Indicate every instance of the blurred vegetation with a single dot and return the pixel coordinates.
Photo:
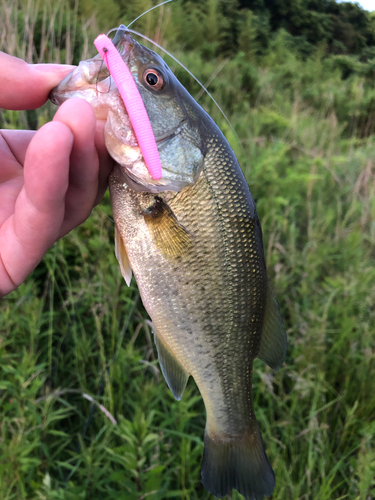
(302, 102)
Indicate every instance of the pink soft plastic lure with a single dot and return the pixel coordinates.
(133, 103)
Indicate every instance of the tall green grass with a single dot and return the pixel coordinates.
(74, 331)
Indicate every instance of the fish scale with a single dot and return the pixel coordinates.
(193, 241)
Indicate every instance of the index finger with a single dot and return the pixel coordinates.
(27, 86)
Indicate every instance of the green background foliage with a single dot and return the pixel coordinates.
(301, 98)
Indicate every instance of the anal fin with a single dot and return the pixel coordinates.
(122, 257)
(174, 373)
(273, 343)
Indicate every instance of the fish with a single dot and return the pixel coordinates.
(193, 241)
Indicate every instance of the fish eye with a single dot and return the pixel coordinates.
(153, 78)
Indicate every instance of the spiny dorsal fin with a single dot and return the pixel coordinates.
(122, 257)
(171, 238)
(174, 373)
(273, 344)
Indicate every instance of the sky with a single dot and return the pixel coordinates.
(366, 4)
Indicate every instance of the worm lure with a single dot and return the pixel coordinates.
(133, 103)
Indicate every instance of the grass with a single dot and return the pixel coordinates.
(74, 330)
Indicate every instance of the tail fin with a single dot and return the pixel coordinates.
(241, 464)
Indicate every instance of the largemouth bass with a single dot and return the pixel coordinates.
(194, 243)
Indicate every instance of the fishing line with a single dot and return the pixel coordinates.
(149, 10)
(99, 79)
(108, 217)
(211, 79)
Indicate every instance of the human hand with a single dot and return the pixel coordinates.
(50, 179)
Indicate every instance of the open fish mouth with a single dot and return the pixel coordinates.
(89, 77)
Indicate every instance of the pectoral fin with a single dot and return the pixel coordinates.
(171, 237)
(273, 344)
(174, 373)
(122, 257)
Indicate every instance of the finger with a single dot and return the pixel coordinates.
(16, 143)
(79, 116)
(40, 207)
(27, 86)
(13, 144)
(46, 182)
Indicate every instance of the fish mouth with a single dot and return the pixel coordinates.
(92, 75)
(78, 84)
